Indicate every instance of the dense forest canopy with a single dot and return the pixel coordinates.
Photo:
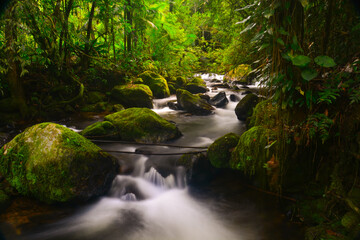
(304, 53)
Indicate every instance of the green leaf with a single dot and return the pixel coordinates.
(325, 61)
(309, 74)
(301, 61)
(248, 28)
(265, 45)
(280, 41)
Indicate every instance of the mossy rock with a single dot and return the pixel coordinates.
(193, 103)
(97, 107)
(219, 153)
(104, 129)
(181, 81)
(133, 95)
(54, 164)
(264, 113)
(194, 88)
(135, 124)
(157, 84)
(198, 81)
(95, 97)
(244, 108)
(251, 154)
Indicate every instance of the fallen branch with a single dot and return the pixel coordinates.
(156, 154)
(148, 144)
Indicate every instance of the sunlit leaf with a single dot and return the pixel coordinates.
(248, 28)
(325, 61)
(304, 3)
(244, 21)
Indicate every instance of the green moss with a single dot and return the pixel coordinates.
(105, 129)
(251, 154)
(157, 84)
(193, 103)
(198, 81)
(142, 125)
(54, 164)
(219, 153)
(263, 114)
(133, 95)
(181, 81)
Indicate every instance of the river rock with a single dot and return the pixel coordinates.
(197, 167)
(173, 105)
(194, 89)
(193, 103)
(219, 153)
(245, 107)
(133, 95)
(54, 164)
(134, 124)
(157, 84)
(234, 98)
(246, 92)
(219, 100)
(204, 96)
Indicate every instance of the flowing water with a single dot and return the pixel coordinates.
(154, 202)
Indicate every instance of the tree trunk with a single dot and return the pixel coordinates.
(327, 32)
(85, 58)
(13, 76)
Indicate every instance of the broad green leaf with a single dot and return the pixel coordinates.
(268, 13)
(309, 74)
(283, 32)
(325, 61)
(301, 61)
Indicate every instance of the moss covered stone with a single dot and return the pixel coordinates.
(244, 108)
(136, 124)
(197, 81)
(157, 84)
(193, 103)
(54, 164)
(133, 95)
(263, 114)
(252, 153)
(104, 128)
(219, 153)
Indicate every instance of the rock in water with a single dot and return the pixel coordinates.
(133, 95)
(193, 103)
(134, 124)
(219, 100)
(245, 107)
(157, 84)
(54, 164)
(219, 153)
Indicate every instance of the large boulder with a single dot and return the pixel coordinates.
(157, 84)
(219, 100)
(54, 164)
(219, 153)
(193, 103)
(133, 95)
(134, 124)
(244, 108)
(95, 97)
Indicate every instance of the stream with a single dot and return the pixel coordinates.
(154, 201)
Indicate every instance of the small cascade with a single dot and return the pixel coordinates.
(154, 177)
(139, 167)
(129, 197)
